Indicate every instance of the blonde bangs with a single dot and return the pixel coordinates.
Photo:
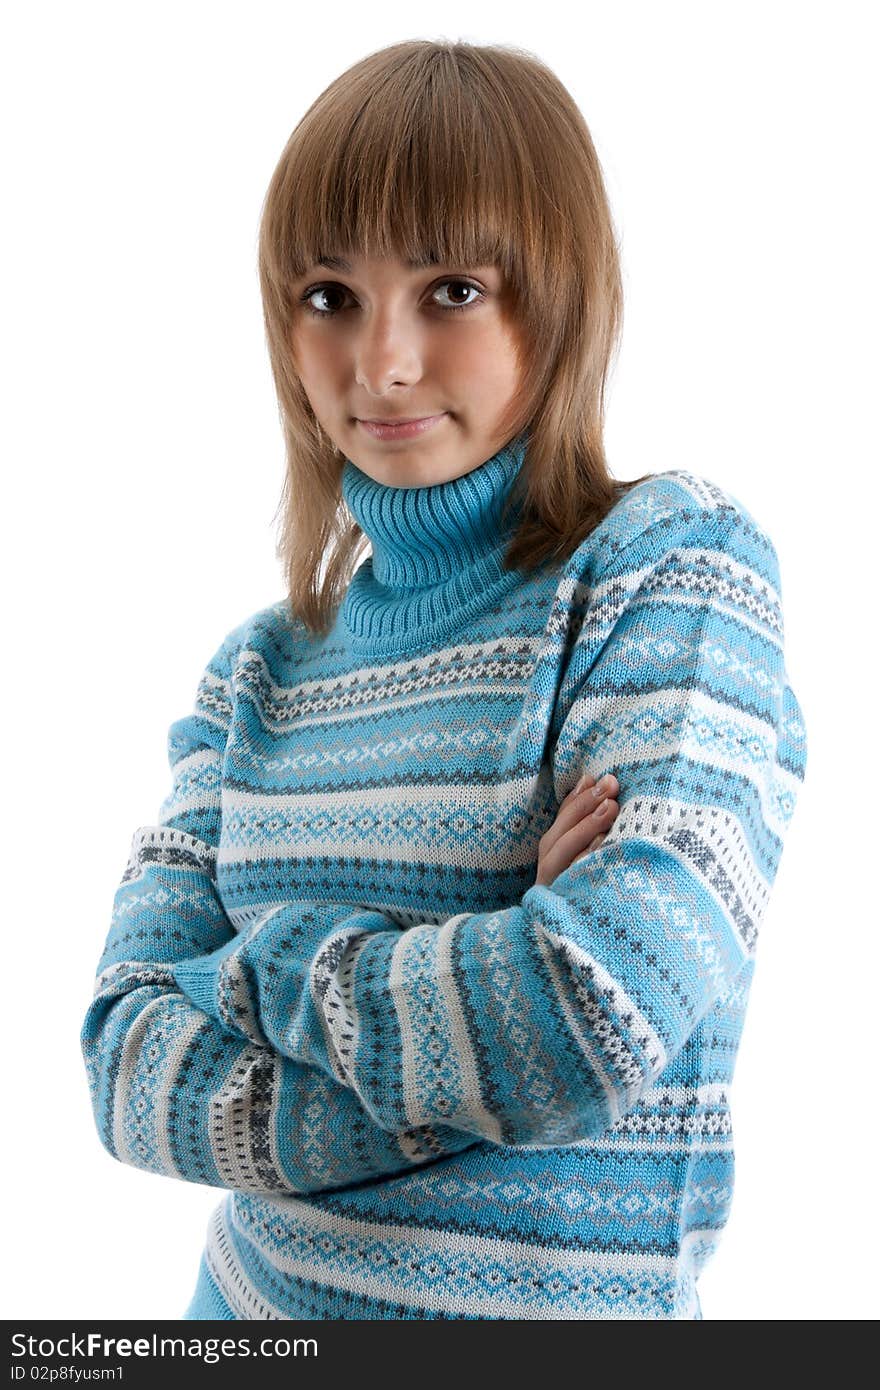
(463, 155)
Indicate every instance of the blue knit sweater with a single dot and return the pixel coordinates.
(331, 986)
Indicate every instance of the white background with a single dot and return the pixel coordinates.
(142, 470)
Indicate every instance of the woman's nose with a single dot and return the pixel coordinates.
(388, 351)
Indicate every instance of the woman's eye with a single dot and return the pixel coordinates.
(459, 285)
(331, 290)
(324, 290)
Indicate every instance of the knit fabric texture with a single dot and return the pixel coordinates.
(432, 1088)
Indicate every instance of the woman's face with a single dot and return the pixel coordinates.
(379, 340)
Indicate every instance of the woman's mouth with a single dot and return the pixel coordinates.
(400, 429)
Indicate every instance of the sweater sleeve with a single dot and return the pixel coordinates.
(545, 1022)
(174, 1090)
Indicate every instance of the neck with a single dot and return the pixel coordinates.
(438, 553)
(424, 536)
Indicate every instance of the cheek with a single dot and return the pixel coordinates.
(488, 361)
(313, 365)
(295, 355)
(496, 369)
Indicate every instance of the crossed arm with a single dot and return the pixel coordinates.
(323, 1046)
(189, 1087)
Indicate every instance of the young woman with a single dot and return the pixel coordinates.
(458, 1043)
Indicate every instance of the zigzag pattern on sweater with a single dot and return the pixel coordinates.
(330, 984)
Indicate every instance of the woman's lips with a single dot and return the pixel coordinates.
(405, 430)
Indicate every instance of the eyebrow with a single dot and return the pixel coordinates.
(338, 263)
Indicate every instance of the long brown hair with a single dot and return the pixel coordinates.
(466, 154)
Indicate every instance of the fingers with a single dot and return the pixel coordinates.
(582, 801)
(595, 844)
(587, 812)
(558, 855)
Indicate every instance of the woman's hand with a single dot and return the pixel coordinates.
(584, 817)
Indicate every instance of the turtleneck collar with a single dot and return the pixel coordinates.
(426, 535)
(436, 550)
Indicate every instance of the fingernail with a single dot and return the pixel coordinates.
(583, 782)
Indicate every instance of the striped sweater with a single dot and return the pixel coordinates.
(432, 1088)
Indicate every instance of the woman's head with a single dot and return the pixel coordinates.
(376, 341)
(440, 156)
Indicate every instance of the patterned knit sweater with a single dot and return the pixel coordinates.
(331, 985)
